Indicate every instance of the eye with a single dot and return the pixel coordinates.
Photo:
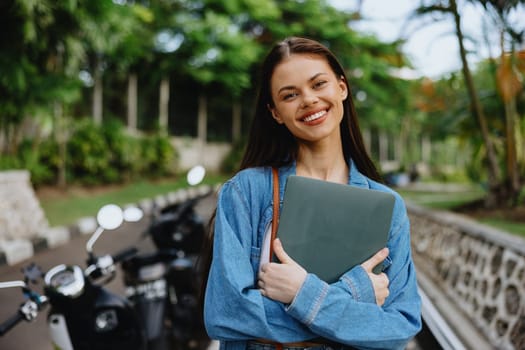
(289, 96)
(319, 84)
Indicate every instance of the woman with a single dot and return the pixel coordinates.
(305, 124)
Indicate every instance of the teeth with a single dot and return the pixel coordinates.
(314, 116)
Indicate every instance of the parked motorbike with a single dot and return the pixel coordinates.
(83, 314)
(163, 284)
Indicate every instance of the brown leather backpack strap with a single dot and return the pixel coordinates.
(275, 215)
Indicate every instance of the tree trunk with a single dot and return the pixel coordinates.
(367, 139)
(511, 159)
(202, 119)
(97, 94)
(132, 102)
(383, 146)
(402, 143)
(61, 138)
(426, 149)
(236, 121)
(494, 175)
(164, 101)
(509, 87)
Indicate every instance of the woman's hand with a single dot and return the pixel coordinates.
(379, 281)
(281, 281)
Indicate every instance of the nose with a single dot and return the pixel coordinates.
(309, 98)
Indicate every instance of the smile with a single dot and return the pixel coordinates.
(314, 116)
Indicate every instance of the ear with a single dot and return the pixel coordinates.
(275, 114)
(344, 88)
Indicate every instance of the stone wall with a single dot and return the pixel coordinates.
(193, 152)
(480, 269)
(22, 219)
(21, 216)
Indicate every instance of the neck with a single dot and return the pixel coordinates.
(324, 163)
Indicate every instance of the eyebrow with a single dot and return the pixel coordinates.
(291, 87)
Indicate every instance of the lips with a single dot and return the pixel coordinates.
(312, 117)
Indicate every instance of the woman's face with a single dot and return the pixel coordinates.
(308, 97)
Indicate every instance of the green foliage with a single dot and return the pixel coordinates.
(157, 156)
(125, 150)
(204, 47)
(41, 159)
(95, 155)
(89, 157)
(10, 162)
(107, 154)
(217, 50)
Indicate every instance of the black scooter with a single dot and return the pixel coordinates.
(84, 315)
(163, 285)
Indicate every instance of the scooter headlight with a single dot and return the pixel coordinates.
(106, 321)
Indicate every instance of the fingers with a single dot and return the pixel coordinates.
(375, 260)
(280, 253)
(381, 290)
(281, 281)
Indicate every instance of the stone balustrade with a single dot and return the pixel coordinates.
(481, 270)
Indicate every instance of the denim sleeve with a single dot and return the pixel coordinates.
(357, 320)
(234, 308)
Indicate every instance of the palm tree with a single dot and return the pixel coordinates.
(503, 187)
(509, 85)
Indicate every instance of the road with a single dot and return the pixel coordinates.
(34, 335)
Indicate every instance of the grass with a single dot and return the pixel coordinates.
(67, 207)
(441, 200)
(448, 200)
(508, 226)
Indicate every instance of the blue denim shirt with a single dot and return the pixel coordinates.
(345, 311)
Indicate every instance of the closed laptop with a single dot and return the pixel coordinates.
(328, 227)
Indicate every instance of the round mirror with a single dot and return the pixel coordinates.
(196, 175)
(110, 216)
(132, 214)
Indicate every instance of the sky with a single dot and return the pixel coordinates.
(432, 49)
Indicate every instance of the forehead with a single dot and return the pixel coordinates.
(299, 67)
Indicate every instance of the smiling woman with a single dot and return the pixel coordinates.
(304, 124)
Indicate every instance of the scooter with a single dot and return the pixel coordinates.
(83, 314)
(163, 284)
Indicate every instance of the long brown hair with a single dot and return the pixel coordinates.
(272, 144)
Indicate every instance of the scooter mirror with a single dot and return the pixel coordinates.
(195, 175)
(110, 216)
(132, 214)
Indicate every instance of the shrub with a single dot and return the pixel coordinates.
(125, 150)
(41, 159)
(95, 155)
(8, 162)
(158, 155)
(89, 157)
